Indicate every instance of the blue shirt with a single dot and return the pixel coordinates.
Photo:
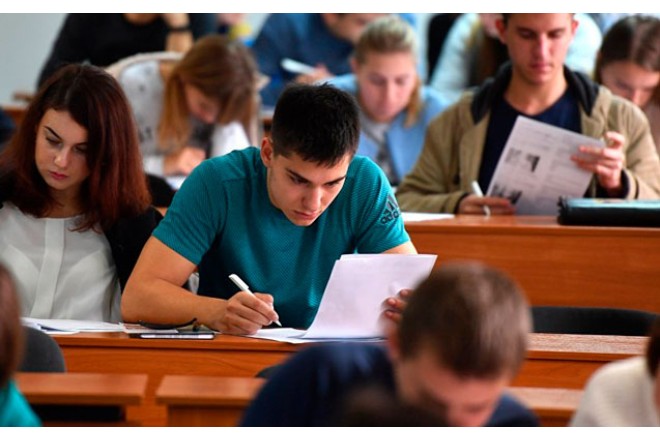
(404, 143)
(312, 386)
(564, 113)
(304, 38)
(15, 410)
(222, 220)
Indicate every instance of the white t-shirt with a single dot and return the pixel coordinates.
(59, 273)
(619, 394)
(140, 78)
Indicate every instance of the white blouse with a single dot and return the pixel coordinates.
(59, 273)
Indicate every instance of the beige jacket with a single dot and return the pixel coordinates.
(453, 147)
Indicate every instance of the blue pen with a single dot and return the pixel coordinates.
(243, 287)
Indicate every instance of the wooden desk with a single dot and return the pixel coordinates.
(221, 401)
(117, 353)
(567, 361)
(554, 407)
(554, 264)
(206, 401)
(564, 361)
(83, 389)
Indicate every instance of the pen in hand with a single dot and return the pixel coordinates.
(243, 287)
(477, 191)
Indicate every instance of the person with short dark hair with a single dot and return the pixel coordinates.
(624, 392)
(278, 217)
(461, 340)
(14, 409)
(465, 143)
(74, 205)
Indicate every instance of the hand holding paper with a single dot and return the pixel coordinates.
(605, 162)
(360, 288)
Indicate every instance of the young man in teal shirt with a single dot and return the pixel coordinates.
(278, 217)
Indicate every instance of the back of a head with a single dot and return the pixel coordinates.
(11, 335)
(634, 38)
(474, 318)
(389, 34)
(319, 123)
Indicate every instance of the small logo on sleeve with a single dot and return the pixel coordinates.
(391, 212)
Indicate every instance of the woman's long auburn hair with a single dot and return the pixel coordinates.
(221, 69)
(117, 186)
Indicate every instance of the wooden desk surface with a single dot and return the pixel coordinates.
(221, 401)
(554, 264)
(554, 407)
(82, 388)
(206, 401)
(564, 361)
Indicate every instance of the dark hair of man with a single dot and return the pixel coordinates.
(473, 318)
(11, 330)
(653, 349)
(319, 123)
(116, 186)
(635, 39)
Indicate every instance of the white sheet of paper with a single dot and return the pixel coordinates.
(535, 168)
(56, 326)
(409, 216)
(175, 181)
(297, 336)
(352, 302)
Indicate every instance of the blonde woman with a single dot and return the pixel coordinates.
(394, 106)
(193, 107)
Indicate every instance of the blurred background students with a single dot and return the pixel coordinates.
(473, 52)
(628, 64)
(323, 41)
(14, 409)
(465, 142)
(75, 207)
(103, 39)
(395, 107)
(189, 108)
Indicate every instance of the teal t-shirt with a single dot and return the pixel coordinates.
(15, 410)
(223, 221)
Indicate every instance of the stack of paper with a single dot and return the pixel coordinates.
(352, 303)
